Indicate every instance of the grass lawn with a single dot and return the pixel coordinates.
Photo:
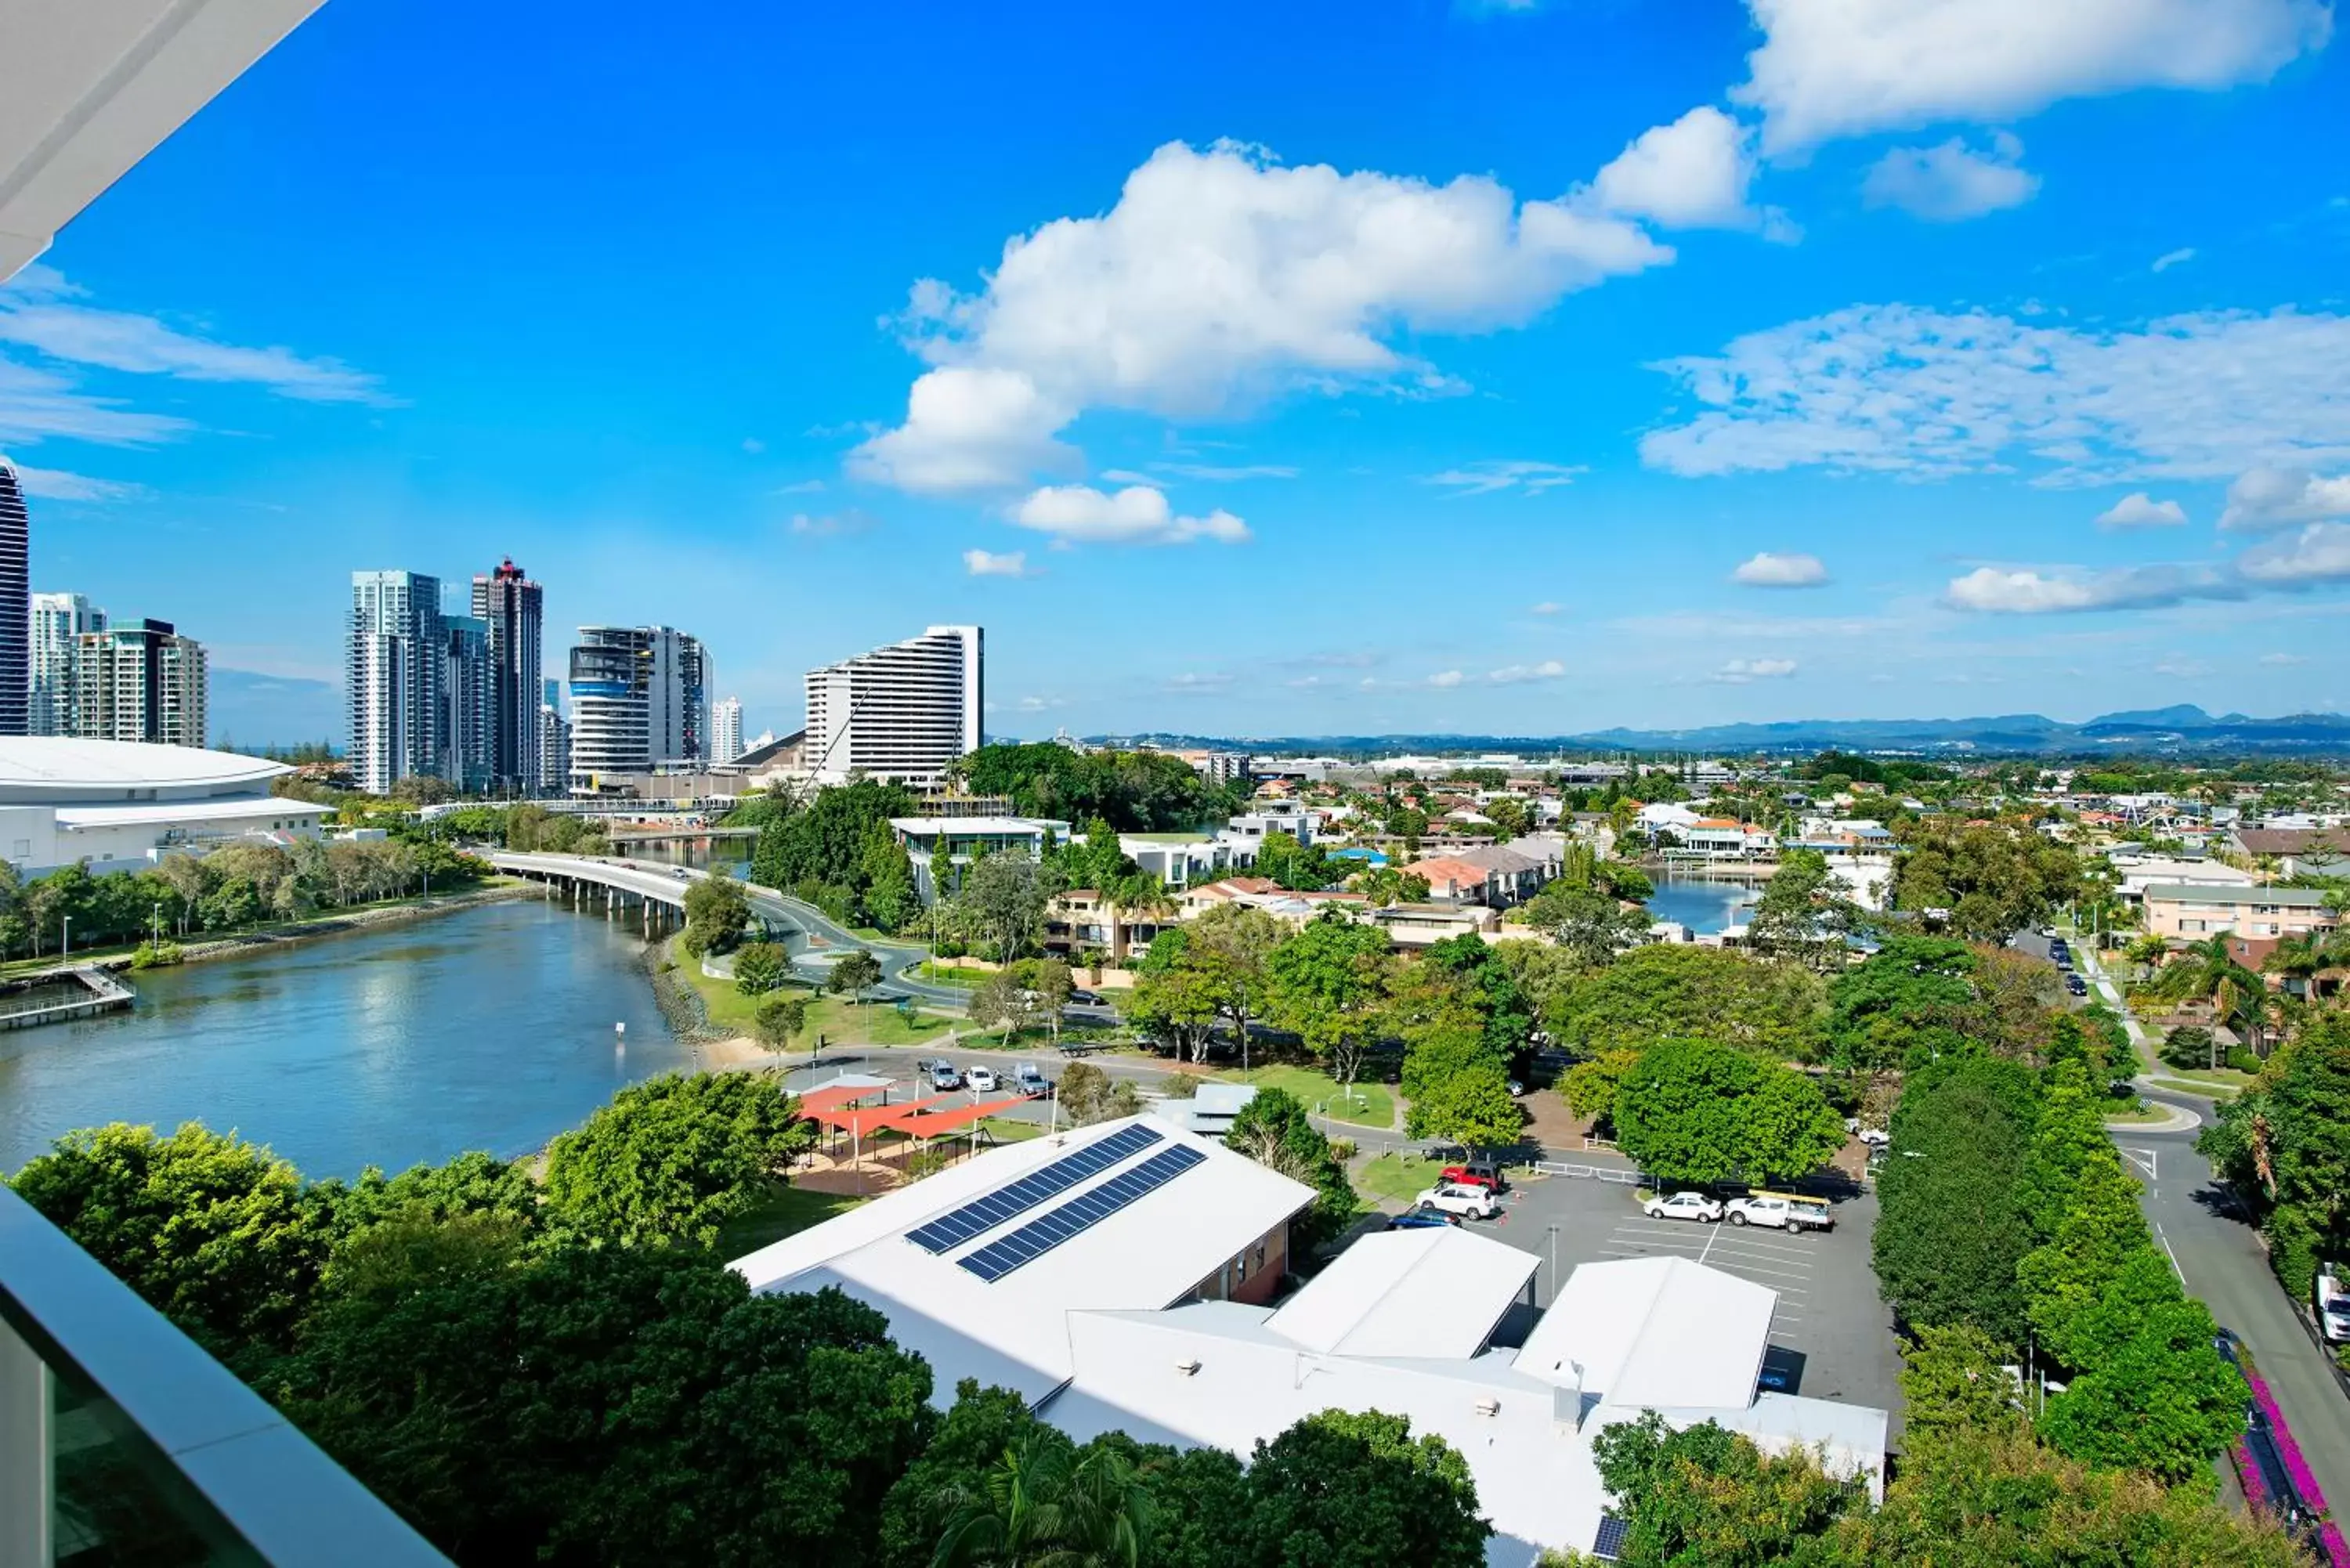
(2220, 1092)
(1004, 1130)
(838, 1020)
(2207, 1077)
(1371, 1105)
(2135, 1111)
(946, 974)
(1399, 1177)
(783, 1211)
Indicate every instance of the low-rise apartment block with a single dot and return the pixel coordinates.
(2193, 913)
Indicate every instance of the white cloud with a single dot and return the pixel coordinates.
(987, 564)
(1997, 591)
(1898, 389)
(2182, 667)
(1951, 182)
(39, 311)
(54, 484)
(2320, 553)
(38, 404)
(1446, 677)
(2142, 511)
(1483, 478)
(1517, 674)
(1078, 513)
(754, 445)
(1040, 704)
(1829, 68)
(1691, 174)
(1546, 608)
(1193, 681)
(2284, 658)
(2170, 259)
(805, 487)
(1739, 671)
(1220, 279)
(1767, 569)
(2266, 498)
(831, 523)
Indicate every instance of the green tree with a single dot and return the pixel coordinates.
(1342, 1490)
(1232, 944)
(1001, 903)
(1050, 985)
(2285, 1143)
(1049, 1504)
(969, 1442)
(717, 913)
(2210, 972)
(853, 973)
(2100, 1229)
(1694, 1111)
(214, 1232)
(1177, 994)
(1591, 925)
(1275, 1130)
(1001, 1001)
(1912, 996)
(2166, 1402)
(1304, 867)
(1995, 878)
(1955, 1378)
(779, 1018)
(1490, 986)
(1328, 985)
(609, 1405)
(761, 967)
(1671, 989)
(1088, 1095)
(1803, 914)
(1950, 1230)
(1703, 1495)
(673, 1158)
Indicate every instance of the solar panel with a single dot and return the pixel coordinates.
(955, 1227)
(1081, 1213)
(1609, 1544)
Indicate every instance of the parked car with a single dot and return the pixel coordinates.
(1483, 1173)
(2334, 1305)
(2077, 985)
(1031, 1082)
(1420, 1217)
(1453, 1198)
(1781, 1212)
(1875, 1137)
(944, 1076)
(1682, 1206)
(1084, 998)
(981, 1080)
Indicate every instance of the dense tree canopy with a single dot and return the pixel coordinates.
(1691, 1110)
(1676, 988)
(1275, 1130)
(837, 852)
(1346, 1490)
(1995, 878)
(1327, 985)
(2284, 1144)
(673, 1158)
(1950, 1228)
(1134, 791)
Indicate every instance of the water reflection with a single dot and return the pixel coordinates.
(490, 1028)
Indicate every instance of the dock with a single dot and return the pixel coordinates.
(61, 995)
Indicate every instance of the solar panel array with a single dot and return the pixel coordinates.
(955, 1227)
(1609, 1546)
(1080, 1214)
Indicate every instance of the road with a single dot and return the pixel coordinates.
(2219, 1258)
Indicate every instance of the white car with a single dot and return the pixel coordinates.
(1875, 1137)
(981, 1080)
(1457, 1197)
(1781, 1214)
(1682, 1206)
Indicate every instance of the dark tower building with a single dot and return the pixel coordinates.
(509, 602)
(16, 606)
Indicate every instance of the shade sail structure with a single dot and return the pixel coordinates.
(929, 1123)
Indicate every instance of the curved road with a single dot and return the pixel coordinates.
(666, 885)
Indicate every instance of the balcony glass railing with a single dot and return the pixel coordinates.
(124, 1445)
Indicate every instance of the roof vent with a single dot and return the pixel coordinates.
(1489, 1406)
(1189, 1366)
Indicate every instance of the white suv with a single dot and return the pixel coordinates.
(1682, 1206)
(1456, 1198)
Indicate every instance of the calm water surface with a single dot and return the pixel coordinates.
(486, 1028)
(1703, 904)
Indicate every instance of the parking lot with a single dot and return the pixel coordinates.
(1831, 1336)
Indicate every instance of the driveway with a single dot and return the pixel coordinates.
(2220, 1259)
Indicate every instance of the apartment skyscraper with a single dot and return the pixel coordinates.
(467, 723)
(726, 729)
(901, 712)
(16, 612)
(554, 739)
(513, 606)
(639, 699)
(397, 668)
(59, 621)
(139, 682)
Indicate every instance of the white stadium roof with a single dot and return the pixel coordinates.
(49, 768)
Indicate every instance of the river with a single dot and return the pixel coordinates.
(1705, 905)
(484, 1028)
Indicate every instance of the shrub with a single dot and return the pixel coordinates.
(1342, 1150)
(2188, 1045)
(2243, 1060)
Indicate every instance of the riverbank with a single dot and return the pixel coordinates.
(261, 939)
(707, 1013)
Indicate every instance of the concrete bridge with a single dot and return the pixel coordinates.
(655, 897)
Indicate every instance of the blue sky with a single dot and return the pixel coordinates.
(1301, 370)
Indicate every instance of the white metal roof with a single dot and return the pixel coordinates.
(1661, 1333)
(1014, 1330)
(44, 769)
(88, 89)
(1433, 1291)
(233, 808)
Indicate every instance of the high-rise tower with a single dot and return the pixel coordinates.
(398, 667)
(639, 699)
(15, 609)
(512, 604)
(901, 712)
(59, 621)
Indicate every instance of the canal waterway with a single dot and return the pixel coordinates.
(1705, 905)
(489, 1027)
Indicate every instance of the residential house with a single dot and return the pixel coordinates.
(940, 847)
(2297, 851)
(2193, 913)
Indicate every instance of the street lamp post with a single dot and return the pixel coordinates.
(156, 940)
(65, 936)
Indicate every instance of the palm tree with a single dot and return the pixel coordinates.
(2210, 970)
(1047, 1506)
(2307, 957)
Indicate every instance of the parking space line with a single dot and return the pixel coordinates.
(1746, 1238)
(1765, 1268)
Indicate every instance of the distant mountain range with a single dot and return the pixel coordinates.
(2180, 729)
